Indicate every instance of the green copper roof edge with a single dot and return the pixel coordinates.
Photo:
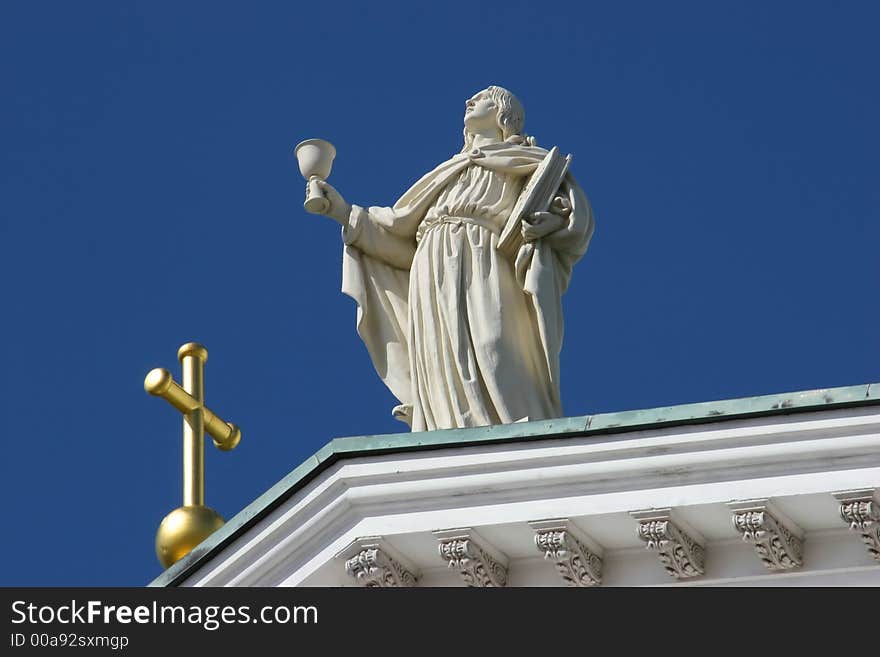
(236, 525)
(601, 423)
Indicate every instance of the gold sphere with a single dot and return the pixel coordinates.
(182, 530)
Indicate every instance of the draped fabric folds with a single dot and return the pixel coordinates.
(461, 335)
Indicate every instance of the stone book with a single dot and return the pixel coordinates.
(536, 196)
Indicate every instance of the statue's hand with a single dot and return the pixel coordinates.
(561, 206)
(339, 208)
(541, 224)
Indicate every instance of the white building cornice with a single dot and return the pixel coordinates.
(593, 473)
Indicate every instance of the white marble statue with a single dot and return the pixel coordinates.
(463, 334)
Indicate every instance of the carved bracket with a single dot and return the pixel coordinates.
(860, 509)
(479, 564)
(577, 558)
(679, 548)
(376, 564)
(777, 540)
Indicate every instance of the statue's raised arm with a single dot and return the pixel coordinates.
(464, 332)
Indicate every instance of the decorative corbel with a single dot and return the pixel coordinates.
(777, 540)
(578, 559)
(477, 561)
(679, 547)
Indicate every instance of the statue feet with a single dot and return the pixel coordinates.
(403, 412)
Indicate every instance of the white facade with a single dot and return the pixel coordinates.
(781, 490)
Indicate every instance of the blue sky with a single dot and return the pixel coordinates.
(149, 197)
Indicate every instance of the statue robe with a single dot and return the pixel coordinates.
(461, 335)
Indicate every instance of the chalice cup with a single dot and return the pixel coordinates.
(315, 157)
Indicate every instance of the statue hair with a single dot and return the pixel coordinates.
(511, 118)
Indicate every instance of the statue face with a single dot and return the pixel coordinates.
(481, 112)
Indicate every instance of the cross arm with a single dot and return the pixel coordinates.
(160, 383)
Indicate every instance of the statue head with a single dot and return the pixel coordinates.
(509, 115)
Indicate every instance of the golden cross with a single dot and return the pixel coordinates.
(187, 526)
